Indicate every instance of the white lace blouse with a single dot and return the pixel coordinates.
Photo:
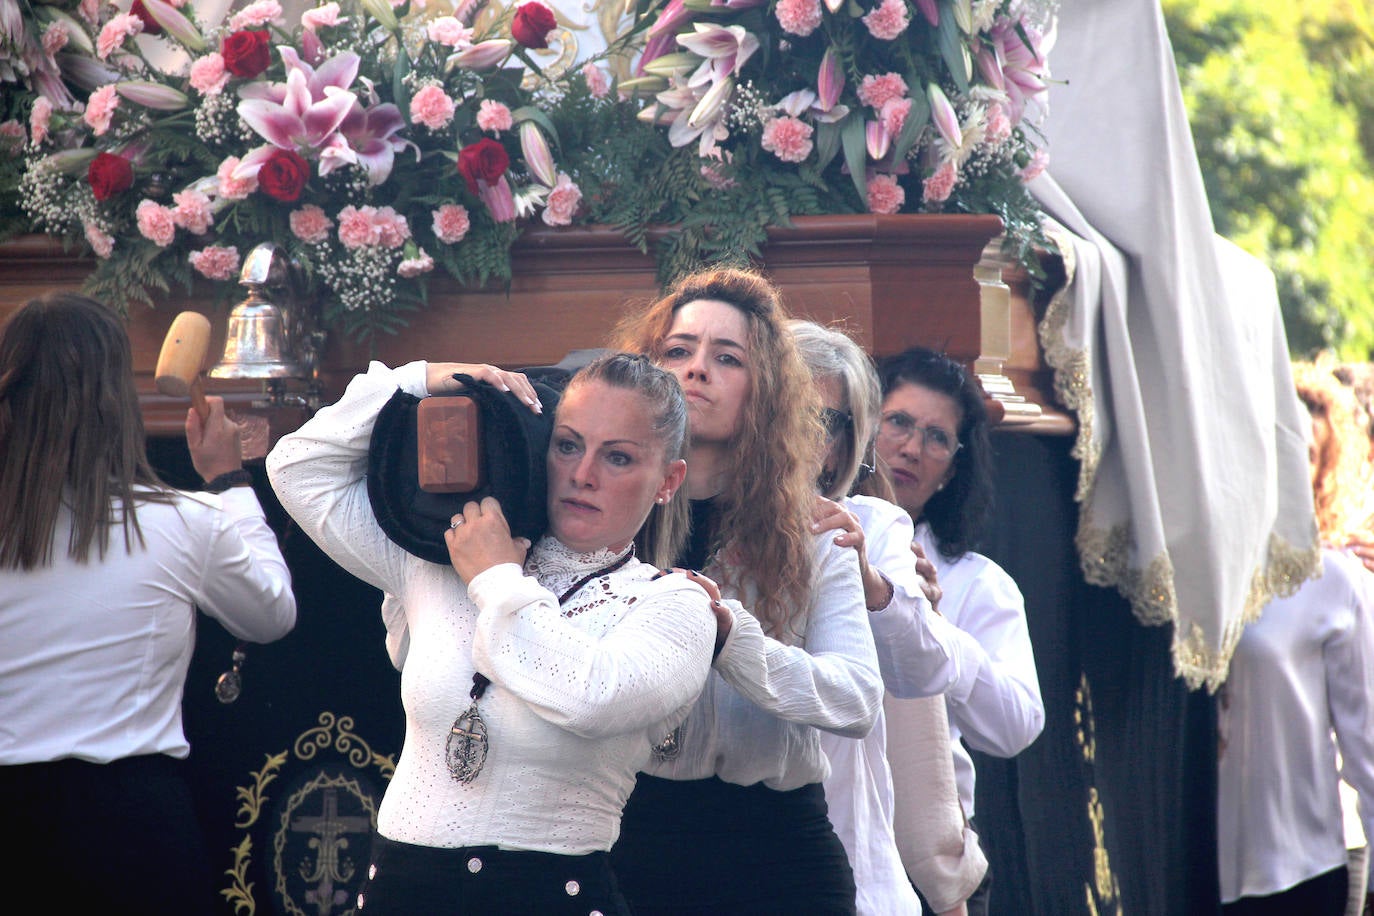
(579, 693)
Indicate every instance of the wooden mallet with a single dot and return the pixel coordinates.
(182, 358)
(179, 374)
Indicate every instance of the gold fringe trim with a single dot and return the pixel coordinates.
(1105, 553)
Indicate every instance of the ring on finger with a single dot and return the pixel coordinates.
(456, 522)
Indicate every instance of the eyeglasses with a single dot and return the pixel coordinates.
(835, 421)
(897, 428)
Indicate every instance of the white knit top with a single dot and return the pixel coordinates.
(579, 692)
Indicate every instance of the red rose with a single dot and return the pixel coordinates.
(246, 53)
(486, 159)
(109, 175)
(283, 176)
(532, 24)
(150, 25)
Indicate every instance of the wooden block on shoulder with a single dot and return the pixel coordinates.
(448, 428)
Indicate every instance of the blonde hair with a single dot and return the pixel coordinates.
(1341, 476)
(764, 512)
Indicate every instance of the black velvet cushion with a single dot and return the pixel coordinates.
(513, 447)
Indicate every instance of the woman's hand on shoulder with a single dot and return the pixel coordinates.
(724, 619)
(439, 380)
(829, 515)
(930, 579)
(479, 538)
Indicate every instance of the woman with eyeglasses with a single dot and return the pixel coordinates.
(933, 440)
(939, 854)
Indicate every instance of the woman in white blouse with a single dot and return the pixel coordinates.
(936, 850)
(102, 569)
(933, 439)
(534, 683)
(1301, 676)
(731, 816)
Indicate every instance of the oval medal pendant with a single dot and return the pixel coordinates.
(228, 687)
(466, 748)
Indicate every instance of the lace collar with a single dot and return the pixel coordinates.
(557, 566)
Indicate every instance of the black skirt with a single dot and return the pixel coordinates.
(708, 846)
(408, 880)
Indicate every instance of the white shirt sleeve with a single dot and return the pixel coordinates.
(650, 665)
(996, 702)
(1349, 664)
(319, 473)
(245, 583)
(833, 682)
(916, 646)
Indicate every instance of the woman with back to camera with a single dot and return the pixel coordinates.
(936, 850)
(730, 817)
(933, 439)
(1301, 675)
(574, 654)
(102, 568)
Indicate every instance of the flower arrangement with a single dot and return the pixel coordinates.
(378, 147)
(381, 143)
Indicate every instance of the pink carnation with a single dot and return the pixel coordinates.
(799, 17)
(888, 19)
(788, 138)
(1039, 162)
(99, 240)
(231, 188)
(413, 267)
(309, 224)
(208, 75)
(431, 107)
(12, 137)
(324, 16)
(876, 91)
(260, 12)
(893, 114)
(451, 223)
(563, 201)
(355, 227)
(155, 223)
(100, 109)
(885, 195)
(999, 125)
(937, 188)
(392, 230)
(55, 38)
(192, 211)
(448, 31)
(597, 83)
(39, 119)
(121, 27)
(216, 262)
(494, 116)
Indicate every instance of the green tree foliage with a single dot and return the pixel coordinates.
(1281, 100)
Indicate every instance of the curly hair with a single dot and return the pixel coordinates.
(70, 429)
(960, 512)
(764, 512)
(1340, 463)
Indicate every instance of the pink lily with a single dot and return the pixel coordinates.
(85, 72)
(673, 15)
(175, 24)
(482, 56)
(311, 110)
(944, 116)
(535, 150)
(829, 81)
(929, 10)
(654, 48)
(728, 4)
(877, 139)
(989, 60)
(371, 139)
(726, 48)
(152, 94)
(498, 198)
(1023, 66)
